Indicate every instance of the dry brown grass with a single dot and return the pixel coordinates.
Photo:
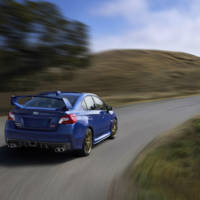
(133, 71)
(124, 76)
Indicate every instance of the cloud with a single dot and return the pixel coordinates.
(122, 8)
(171, 28)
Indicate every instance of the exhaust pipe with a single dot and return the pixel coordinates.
(32, 144)
(60, 149)
(12, 145)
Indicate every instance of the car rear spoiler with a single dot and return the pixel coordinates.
(14, 101)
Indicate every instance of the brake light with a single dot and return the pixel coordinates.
(11, 116)
(68, 119)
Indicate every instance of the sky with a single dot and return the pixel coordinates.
(138, 24)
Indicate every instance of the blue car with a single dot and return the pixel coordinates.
(60, 121)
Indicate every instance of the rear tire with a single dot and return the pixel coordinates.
(87, 143)
(114, 129)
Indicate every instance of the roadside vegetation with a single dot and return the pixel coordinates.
(169, 167)
(35, 36)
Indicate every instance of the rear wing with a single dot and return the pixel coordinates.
(14, 101)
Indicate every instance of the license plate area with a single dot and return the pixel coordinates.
(38, 123)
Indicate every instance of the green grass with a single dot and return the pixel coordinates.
(169, 170)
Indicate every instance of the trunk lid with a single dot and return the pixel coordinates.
(38, 113)
(37, 119)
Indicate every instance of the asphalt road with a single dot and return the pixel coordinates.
(43, 175)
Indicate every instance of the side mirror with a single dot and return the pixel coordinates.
(108, 108)
(93, 108)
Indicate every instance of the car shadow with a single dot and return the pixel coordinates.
(29, 156)
(35, 156)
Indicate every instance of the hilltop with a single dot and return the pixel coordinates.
(124, 76)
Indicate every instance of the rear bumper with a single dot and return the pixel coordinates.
(64, 135)
(13, 143)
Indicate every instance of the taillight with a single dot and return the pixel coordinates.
(11, 116)
(68, 119)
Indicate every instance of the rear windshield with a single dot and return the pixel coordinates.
(71, 98)
(42, 102)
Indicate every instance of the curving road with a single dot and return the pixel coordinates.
(48, 176)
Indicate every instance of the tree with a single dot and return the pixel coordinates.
(35, 35)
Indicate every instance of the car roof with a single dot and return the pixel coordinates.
(61, 94)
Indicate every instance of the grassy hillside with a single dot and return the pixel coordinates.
(131, 71)
(124, 76)
(168, 168)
